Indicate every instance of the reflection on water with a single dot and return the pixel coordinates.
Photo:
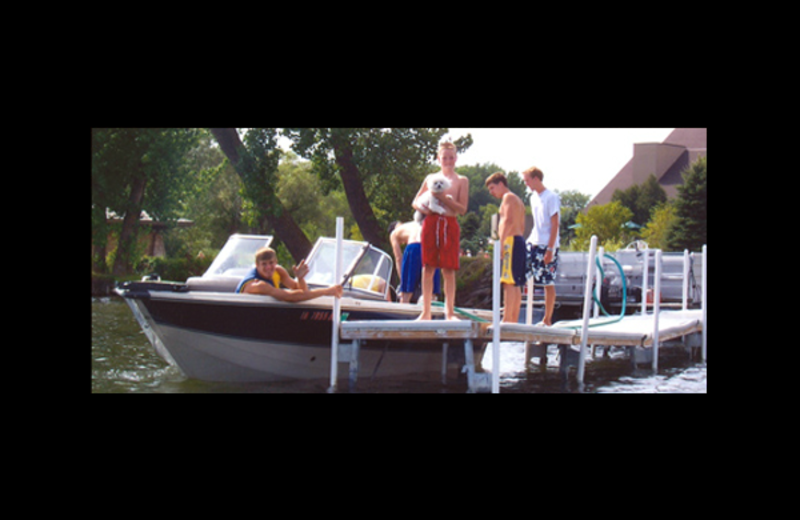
(123, 361)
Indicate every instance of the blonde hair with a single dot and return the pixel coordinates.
(265, 253)
(447, 145)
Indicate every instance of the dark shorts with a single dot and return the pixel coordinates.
(412, 270)
(513, 268)
(542, 274)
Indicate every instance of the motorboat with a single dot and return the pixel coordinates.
(212, 333)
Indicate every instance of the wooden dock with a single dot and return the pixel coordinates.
(636, 332)
(631, 331)
(472, 333)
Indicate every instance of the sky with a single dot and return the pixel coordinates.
(582, 159)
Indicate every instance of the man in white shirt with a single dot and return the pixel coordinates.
(544, 239)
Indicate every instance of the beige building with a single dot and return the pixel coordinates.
(664, 160)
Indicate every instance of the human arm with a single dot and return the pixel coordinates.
(502, 225)
(422, 190)
(300, 271)
(551, 245)
(291, 295)
(394, 238)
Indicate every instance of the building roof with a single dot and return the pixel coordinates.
(146, 220)
(665, 160)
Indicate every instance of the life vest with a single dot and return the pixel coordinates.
(275, 281)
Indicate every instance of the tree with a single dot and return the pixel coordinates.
(572, 203)
(691, 229)
(380, 169)
(135, 169)
(604, 221)
(657, 231)
(641, 199)
(256, 164)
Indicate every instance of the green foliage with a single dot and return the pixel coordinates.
(691, 228)
(391, 162)
(606, 222)
(135, 169)
(476, 224)
(172, 269)
(305, 199)
(657, 231)
(572, 203)
(258, 170)
(641, 199)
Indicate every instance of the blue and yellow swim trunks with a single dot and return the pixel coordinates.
(512, 270)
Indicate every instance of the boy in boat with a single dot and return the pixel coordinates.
(441, 234)
(267, 277)
(511, 230)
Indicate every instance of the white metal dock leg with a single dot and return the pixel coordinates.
(587, 294)
(656, 307)
(475, 382)
(355, 351)
(645, 273)
(445, 347)
(705, 299)
(336, 318)
(496, 318)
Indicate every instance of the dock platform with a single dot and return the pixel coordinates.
(634, 331)
(472, 333)
(641, 334)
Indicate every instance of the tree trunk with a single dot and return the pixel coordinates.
(357, 198)
(130, 224)
(285, 227)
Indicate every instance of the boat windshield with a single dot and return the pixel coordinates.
(373, 270)
(237, 257)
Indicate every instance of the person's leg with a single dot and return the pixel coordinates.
(449, 276)
(427, 291)
(549, 303)
(513, 301)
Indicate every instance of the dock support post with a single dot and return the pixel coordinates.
(445, 347)
(687, 261)
(645, 273)
(496, 318)
(529, 320)
(601, 253)
(587, 294)
(705, 299)
(355, 352)
(336, 318)
(656, 307)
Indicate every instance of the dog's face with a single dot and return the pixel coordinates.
(438, 184)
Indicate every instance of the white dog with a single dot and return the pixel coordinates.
(436, 184)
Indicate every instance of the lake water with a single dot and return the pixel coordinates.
(123, 361)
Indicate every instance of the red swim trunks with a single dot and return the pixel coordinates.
(441, 241)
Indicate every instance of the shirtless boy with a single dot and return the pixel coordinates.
(441, 234)
(511, 231)
(408, 261)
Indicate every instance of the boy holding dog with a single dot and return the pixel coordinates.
(441, 234)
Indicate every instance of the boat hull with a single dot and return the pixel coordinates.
(248, 338)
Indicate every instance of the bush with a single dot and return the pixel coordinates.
(172, 269)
